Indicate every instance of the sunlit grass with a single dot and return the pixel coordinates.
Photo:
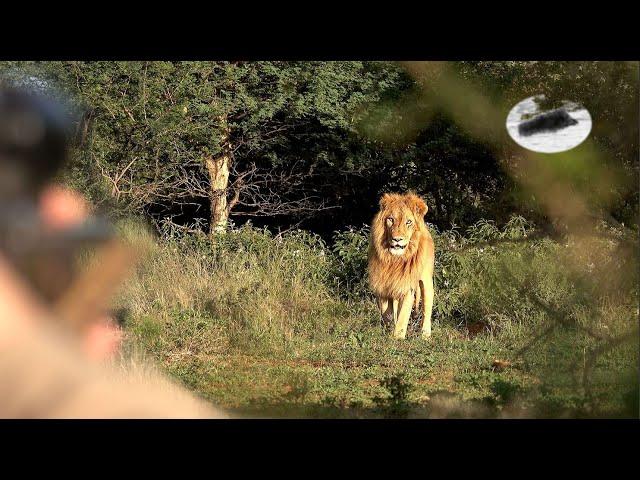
(284, 326)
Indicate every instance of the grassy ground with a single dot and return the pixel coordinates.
(285, 327)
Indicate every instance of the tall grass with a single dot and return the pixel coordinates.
(247, 293)
(255, 290)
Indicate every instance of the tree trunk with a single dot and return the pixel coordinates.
(218, 169)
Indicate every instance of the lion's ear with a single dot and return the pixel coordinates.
(384, 200)
(417, 204)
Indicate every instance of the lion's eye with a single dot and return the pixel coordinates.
(409, 222)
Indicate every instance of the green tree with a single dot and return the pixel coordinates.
(239, 134)
(221, 139)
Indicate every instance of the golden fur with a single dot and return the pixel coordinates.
(401, 259)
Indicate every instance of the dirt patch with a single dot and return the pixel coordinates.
(474, 329)
(443, 378)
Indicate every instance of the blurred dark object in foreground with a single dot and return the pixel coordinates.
(35, 130)
(33, 142)
(44, 372)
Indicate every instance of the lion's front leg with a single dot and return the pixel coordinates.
(384, 307)
(394, 310)
(383, 304)
(402, 320)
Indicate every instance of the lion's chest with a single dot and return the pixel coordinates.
(394, 279)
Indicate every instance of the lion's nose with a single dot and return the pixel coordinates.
(397, 239)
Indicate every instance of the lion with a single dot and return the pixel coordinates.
(401, 261)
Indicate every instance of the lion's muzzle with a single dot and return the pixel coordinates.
(397, 246)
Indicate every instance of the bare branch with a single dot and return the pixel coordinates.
(262, 193)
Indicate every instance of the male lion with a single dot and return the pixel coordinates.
(401, 259)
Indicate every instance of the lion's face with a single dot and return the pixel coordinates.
(399, 227)
(402, 216)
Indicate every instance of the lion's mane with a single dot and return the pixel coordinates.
(393, 276)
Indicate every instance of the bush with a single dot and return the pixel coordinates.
(263, 290)
(471, 272)
(295, 282)
(350, 250)
(493, 276)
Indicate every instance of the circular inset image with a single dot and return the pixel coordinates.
(548, 130)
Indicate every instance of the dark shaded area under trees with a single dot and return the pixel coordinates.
(313, 144)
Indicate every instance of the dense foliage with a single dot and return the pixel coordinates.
(318, 141)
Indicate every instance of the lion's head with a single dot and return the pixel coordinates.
(398, 225)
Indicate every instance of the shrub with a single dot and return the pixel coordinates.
(263, 289)
(268, 289)
(350, 263)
